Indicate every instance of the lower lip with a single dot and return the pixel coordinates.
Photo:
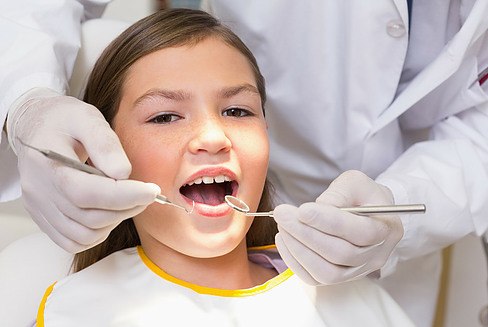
(210, 211)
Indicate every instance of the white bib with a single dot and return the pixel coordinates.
(127, 289)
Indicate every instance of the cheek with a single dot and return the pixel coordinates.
(150, 156)
(253, 155)
(254, 150)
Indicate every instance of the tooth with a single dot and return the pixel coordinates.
(190, 183)
(207, 180)
(227, 179)
(219, 179)
(198, 181)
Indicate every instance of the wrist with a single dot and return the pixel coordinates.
(19, 108)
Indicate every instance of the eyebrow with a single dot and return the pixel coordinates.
(229, 92)
(176, 95)
(179, 95)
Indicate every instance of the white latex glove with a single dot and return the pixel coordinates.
(77, 210)
(325, 245)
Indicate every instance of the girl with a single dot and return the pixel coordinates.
(186, 98)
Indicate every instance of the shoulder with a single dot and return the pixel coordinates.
(109, 268)
(96, 284)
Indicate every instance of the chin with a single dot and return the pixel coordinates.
(213, 247)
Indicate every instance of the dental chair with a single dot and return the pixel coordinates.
(32, 263)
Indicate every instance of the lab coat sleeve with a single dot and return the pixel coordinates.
(38, 48)
(40, 41)
(448, 170)
(449, 173)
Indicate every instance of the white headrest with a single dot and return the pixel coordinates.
(96, 34)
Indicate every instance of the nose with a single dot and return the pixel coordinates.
(209, 136)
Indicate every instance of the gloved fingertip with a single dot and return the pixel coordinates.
(155, 189)
(284, 212)
(308, 211)
(147, 193)
(292, 263)
(118, 171)
(308, 207)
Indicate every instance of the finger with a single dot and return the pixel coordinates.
(292, 263)
(53, 234)
(84, 236)
(317, 267)
(101, 143)
(357, 230)
(353, 188)
(78, 233)
(65, 243)
(92, 191)
(368, 240)
(68, 227)
(96, 218)
(58, 236)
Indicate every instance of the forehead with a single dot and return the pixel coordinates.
(208, 61)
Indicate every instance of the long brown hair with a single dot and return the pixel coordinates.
(163, 29)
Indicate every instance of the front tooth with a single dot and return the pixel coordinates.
(198, 181)
(219, 179)
(208, 180)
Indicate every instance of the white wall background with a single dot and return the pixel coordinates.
(467, 284)
(129, 10)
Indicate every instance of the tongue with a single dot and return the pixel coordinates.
(211, 194)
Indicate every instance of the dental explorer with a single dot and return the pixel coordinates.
(94, 171)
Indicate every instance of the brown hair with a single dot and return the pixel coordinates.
(163, 29)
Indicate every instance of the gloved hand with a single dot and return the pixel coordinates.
(77, 210)
(325, 245)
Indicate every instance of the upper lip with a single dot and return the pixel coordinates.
(211, 172)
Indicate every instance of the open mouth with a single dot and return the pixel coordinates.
(209, 190)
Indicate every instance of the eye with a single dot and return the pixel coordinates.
(237, 112)
(164, 118)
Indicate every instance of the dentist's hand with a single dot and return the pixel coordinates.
(77, 210)
(325, 245)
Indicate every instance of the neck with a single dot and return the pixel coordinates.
(230, 271)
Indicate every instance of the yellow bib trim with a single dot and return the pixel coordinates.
(42, 306)
(215, 291)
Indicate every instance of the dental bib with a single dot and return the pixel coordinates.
(127, 289)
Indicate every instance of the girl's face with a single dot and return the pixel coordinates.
(190, 120)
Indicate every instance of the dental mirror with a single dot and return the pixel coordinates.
(241, 206)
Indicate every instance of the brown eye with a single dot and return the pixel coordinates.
(165, 118)
(237, 112)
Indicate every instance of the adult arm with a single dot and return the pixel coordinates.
(40, 41)
(75, 209)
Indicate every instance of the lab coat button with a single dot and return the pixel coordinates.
(395, 28)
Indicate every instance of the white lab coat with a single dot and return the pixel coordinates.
(349, 88)
(39, 41)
